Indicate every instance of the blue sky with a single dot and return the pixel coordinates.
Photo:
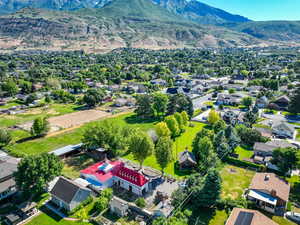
(260, 9)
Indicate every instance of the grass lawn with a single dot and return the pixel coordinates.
(210, 217)
(73, 165)
(295, 189)
(282, 221)
(49, 218)
(234, 181)
(73, 137)
(244, 153)
(182, 142)
(298, 134)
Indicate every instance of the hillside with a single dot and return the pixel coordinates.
(130, 23)
(271, 30)
(199, 12)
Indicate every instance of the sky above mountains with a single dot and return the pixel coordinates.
(260, 9)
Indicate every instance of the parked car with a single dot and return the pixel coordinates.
(295, 217)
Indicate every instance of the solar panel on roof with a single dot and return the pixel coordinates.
(244, 218)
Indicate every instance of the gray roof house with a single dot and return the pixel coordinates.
(7, 183)
(67, 194)
(284, 129)
(187, 159)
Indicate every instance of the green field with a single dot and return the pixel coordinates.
(244, 152)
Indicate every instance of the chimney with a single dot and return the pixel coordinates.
(273, 193)
(267, 177)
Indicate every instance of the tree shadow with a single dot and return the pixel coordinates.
(294, 195)
(201, 216)
(51, 214)
(134, 119)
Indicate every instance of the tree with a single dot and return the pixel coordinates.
(247, 101)
(93, 97)
(5, 137)
(30, 99)
(141, 146)
(286, 159)
(249, 136)
(201, 134)
(219, 125)
(179, 103)
(294, 106)
(144, 106)
(101, 204)
(207, 194)
(162, 130)
(179, 120)
(250, 118)
(160, 104)
(163, 152)
(40, 127)
(185, 118)
(223, 150)
(173, 126)
(213, 117)
(35, 172)
(107, 135)
(10, 87)
(232, 137)
(219, 138)
(204, 153)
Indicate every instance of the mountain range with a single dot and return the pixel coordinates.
(103, 25)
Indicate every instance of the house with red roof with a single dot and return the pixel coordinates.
(108, 173)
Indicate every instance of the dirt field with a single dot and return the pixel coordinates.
(77, 118)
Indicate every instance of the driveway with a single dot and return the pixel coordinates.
(202, 117)
(198, 103)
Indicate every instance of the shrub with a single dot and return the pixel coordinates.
(140, 202)
(243, 163)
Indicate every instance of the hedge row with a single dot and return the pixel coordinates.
(243, 163)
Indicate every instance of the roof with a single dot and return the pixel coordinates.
(248, 217)
(65, 189)
(271, 182)
(265, 132)
(187, 156)
(280, 144)
(7, 184)
(263, 147)
(7, 168)
(283, 99)
(132, 176)
(26, 206)
(263, 197)
(288, 126)
(99, 174)
(66, 149)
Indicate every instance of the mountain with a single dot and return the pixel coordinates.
(199, 12)
(270, 30)
(119, 23)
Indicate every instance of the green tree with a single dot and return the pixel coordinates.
(179, 103)
(10, 87)
(162, 130)
(107, 135)
(160, 104)
(185, 118)
(247, 101)
(40, 127)
(286, 159)
(93, 97)
(219, 125)
(5, 137)
(144, 106)
(294, 106)
(213, 117)
(35, 172)
(163, 152)
(209, 192)
(179, 120)
(141, 146)
(173, 126)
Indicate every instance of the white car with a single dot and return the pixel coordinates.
(295, 217)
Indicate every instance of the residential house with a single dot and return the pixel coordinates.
(108, 173)
(187, 160)
(282, 102)
(68, 194)
(262, 102)
(8, 166)
(159, 82)
(284, 129)
(178, 90)
(265, 132)
(269, 192)
(233, 116)
(240, 216)
(118, 206)
(229, 99)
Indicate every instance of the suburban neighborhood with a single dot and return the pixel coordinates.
(150, 137)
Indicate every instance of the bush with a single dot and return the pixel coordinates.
(228, 204)
(243, 163)
(81, 206)
(140, 202)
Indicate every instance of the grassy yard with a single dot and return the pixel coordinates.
(234, 181)
(244, 152)
(72, 166)
(73, 137)
(49, 218)
(210, 217)
(181, 143)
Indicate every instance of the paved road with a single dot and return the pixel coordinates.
(198, 102)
